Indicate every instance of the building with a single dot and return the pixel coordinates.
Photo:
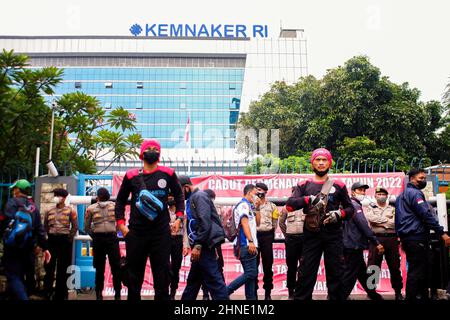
(164, 80)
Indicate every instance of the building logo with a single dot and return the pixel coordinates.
(199, 30)
(135, 29)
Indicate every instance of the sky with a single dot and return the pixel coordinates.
(408, 40)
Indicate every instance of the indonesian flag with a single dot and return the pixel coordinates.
(188, 127)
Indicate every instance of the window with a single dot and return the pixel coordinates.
(182, 105)
(108, 85)
(139, 85)
(232, 86)
(183, 85)
(138, 105)
(78, 85)
(107, 105)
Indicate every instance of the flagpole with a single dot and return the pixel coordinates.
(189, 150)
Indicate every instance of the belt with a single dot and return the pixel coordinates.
(387, 235)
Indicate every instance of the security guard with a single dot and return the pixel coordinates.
(291, 224)
(100, 224)
(381, 217)
(61, 224)
(266, 237)
(413, 222)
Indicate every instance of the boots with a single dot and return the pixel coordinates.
(398, 295)
(267, 295)
(373, 295)
(172, 294)
(291, 294)
(98, 295)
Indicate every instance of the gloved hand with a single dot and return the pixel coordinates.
(332, 216)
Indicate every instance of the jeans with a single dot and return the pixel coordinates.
(249, 276)
(205, 272)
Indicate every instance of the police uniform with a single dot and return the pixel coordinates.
(61, 224)
(382, 222)
(100, 224)
(265, 233)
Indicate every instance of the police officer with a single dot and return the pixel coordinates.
(413, 222)
(19, 249)
(381, 217)
(266, 237)
(323, 227)
(145, 237)
(357, 234)
(61, 224)
(100, 224)
(291, 224)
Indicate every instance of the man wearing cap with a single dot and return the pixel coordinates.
(266, 236)
(381, 217)
(100, 224)
(357, 234)
(413, 223)
(323, 227)
(61, 225)
(147, 237)
(18, 258)
(206, 234)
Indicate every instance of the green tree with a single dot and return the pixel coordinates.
(25, 116)
(85, 133)
(355, 112)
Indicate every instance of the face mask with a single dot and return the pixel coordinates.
(171, 203)
(360, 197)
(382, 199)
(151, 156)
(261, 195)
(57, 200)
(321, 173)
(421, 184)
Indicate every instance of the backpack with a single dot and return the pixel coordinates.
(229, 223)
(20, 228)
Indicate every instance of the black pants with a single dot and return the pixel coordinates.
(143, 245)
(205, 272)
(294, 248)
(60, 247)
(329, 242)
(392, 256)
(265, 253)
(106, 245)
(417, 256)
(355, 269)
(176, 258)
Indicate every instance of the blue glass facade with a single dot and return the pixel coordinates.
(163, 98)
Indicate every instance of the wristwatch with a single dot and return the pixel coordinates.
(251, 241)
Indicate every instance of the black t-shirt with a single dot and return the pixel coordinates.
(160, 182)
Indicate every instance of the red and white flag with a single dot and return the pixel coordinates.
(187, 131)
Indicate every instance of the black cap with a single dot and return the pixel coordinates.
(359, 185)
(60, 192)
(262, 186)
(381, 189)
(185, 180)
(103, 194)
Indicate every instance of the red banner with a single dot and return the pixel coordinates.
(279, 186)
